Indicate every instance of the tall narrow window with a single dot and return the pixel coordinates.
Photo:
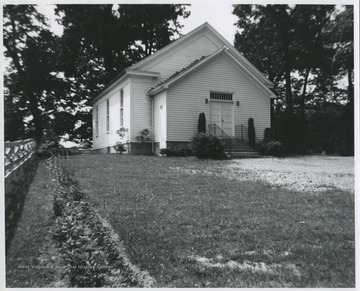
(121, 108)
(107, 115)
(96, 121)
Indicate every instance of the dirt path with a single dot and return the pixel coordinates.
(309, 173)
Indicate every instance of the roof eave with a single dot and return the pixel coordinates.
(157, 90)
(142, 73)
(247, 64)
(253, 76)
(160, 88)
(170, 46)
(117, 78)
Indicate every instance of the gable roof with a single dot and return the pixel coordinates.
(204, 28)
(118, 78)
(202, 61)
(177, 73)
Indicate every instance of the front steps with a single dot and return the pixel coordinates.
(239, 149)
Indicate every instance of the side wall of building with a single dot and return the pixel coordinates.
(141, 111)
(160, 118)
(104, 137)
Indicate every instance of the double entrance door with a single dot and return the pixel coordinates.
(222, 113)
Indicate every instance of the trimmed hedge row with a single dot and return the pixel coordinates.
(87, 246)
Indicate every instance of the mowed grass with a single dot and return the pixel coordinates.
(199, 229)
(25, 267)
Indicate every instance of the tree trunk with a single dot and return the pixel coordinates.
(302, 112)
(283, 27)
(349, 124)
(37, 118)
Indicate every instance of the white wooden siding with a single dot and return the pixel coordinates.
(104, 138)
(159, 100)
(186, 99)
(182, 57)
(140, 105)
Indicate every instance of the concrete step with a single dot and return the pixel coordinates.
(240, 149)
(87, 151)
(240, 155)
(236, 143)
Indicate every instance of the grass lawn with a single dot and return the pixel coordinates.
(25, 266)
(199, 229)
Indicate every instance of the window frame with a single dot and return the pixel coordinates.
(96, 121)
(121, 108)
(221, 96)
(107, 115)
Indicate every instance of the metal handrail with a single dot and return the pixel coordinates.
(213, 128)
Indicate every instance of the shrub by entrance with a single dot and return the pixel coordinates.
(208, 146)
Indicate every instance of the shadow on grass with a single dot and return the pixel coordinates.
(16, 188)
(172, 221)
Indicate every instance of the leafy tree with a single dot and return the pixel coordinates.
(269, 30)
(17, 27)
(99, 41)
(296, 47)
(340, 34)
(50, 78)
(35, 90)
(14, 116)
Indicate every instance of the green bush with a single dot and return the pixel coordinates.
(182, 152)
(143, 136)
(202, 123)
(119, 147)
(269, 133)
(208, 146)
(251, 132)
(272, 148)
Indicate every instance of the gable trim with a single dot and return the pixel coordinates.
(119, 78)
(178, 76)
(170, 46)
(142, 73)
(242, 59)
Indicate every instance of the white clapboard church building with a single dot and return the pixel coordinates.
(166, 92)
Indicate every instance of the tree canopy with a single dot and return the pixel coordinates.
(51, 78)
(35, 91)
(305, 50)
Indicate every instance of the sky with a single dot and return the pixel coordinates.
(217, 13)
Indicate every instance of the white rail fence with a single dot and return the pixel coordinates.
(16, 153)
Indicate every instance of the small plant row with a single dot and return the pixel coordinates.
(88, 248)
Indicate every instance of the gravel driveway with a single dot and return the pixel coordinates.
(308, 173)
